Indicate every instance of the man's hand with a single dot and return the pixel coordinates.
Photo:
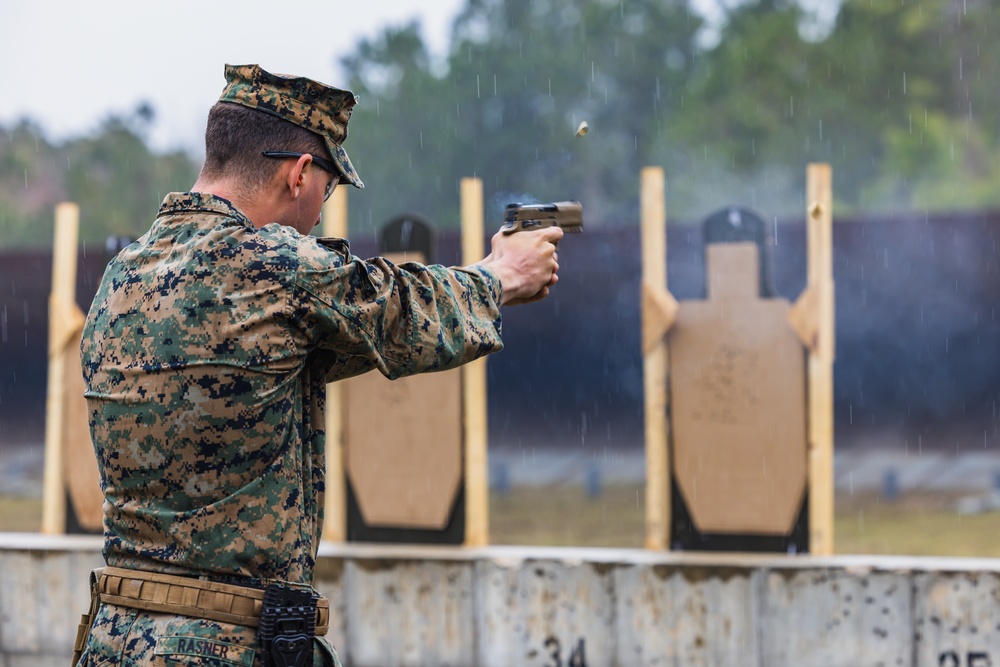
(526, 264)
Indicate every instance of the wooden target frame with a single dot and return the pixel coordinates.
(810, 320)
(406, 459)
(72, 500)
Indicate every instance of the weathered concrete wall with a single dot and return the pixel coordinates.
(44, 588)
(502, 606)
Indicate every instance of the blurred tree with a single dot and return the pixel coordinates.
(519, 78)
(30, 184)
(113, 175)
(397, 140)
(881, 96)
(733, 119)
(749, 119)
(887, 73)
(900, 97)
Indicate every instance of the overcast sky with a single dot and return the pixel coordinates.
(68, 64)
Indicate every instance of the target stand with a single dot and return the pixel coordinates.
(739, 438)
(403, 438)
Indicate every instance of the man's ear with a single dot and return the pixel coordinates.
(294, 177)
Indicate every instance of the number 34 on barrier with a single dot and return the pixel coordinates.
(577, 656)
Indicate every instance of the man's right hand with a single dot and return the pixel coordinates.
(526, 264)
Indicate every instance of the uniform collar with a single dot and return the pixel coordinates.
(186, 202)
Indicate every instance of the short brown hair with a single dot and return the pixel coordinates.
(236, 135)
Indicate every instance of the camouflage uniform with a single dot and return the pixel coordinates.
(206, 354)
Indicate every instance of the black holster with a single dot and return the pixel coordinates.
(287, 627)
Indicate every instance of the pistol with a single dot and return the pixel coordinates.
(528, 217)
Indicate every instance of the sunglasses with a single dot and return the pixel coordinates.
(323, 164)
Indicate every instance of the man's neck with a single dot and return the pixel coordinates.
(254, 208)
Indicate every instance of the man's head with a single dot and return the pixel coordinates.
(237, 137)
(267, 129)
(313, 106)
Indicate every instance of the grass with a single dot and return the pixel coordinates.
(564, 516)
(20, 515)
(914, 525)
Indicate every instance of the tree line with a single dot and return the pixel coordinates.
(899, 97)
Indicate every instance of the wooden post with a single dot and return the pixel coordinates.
(819, 221)
(655, 359)
(474, 384)
(65, 319)
(335, 512)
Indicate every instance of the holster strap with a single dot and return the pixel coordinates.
(187, 596)
(87, 620)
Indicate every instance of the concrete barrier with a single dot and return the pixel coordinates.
(541, 607)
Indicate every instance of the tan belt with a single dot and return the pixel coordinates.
(187, 596)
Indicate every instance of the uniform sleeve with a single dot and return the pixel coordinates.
(400, 319)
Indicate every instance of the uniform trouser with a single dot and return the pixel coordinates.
(126, 637)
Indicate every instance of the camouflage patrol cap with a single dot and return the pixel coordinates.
(314, 106)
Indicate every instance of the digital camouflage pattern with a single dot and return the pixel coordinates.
(315, 106)
(206, 354)
(163, 639)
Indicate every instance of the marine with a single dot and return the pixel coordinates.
(206, 354)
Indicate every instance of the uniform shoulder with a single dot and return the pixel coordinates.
(316, 252)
